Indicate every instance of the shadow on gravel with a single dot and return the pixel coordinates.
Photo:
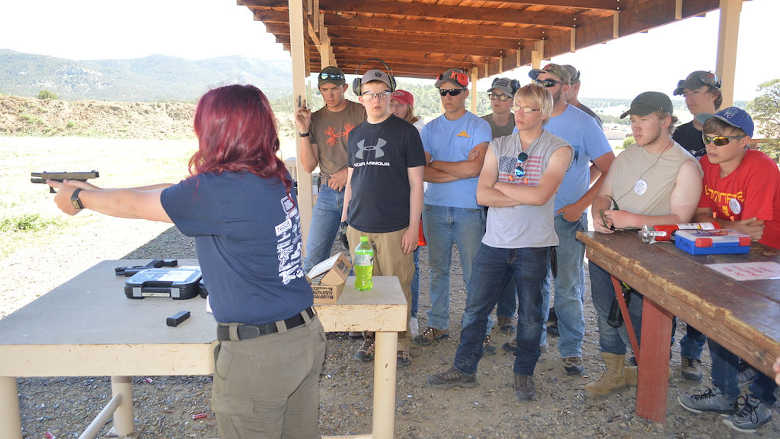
(168, 244)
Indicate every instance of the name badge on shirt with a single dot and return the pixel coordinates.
(640, 187)
(735, 207)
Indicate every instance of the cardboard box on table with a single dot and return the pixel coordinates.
(328, 277)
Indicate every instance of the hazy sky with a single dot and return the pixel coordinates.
(101, 29)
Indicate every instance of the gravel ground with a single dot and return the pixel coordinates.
(164, 406)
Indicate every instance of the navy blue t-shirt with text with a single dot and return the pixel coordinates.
(248, 240)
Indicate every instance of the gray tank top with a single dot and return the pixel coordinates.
(523, 226)
(642, 182)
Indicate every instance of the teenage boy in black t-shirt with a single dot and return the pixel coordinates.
(384, 193)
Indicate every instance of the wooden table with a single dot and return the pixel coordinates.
(744, 317)
(87, 327)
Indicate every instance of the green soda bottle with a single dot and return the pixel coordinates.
(364, 265)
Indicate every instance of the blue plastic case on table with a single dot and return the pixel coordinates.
(712, 242)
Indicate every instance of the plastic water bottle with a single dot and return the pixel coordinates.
(364, 265)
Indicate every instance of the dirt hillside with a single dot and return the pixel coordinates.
(139, 120)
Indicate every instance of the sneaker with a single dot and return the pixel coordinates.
(487, 346)
(452, 378)
(746, 374)
(429, 335)
(552, 330)
(752, 414)
(403, 359)
(573, 365)
(505, 326)
(690, 369)
(366, 351)
(711, 400)
(510, 346)
(524, 388)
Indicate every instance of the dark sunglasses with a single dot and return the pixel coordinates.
(450, 91)
(547, 82)
(520, 168)
(325, 76)
(719, 140)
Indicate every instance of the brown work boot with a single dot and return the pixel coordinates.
(690, 369)
(452, 378)
(614, 378)
(366, 351)
(429, 335)
(573, 365)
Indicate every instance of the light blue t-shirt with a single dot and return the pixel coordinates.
(582, 132)
(451, 141)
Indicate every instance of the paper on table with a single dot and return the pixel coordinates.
(748, 270)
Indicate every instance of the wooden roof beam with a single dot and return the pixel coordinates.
(606, 5)
(438, 11)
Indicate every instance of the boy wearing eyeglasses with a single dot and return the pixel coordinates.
(384, 193)
(741, 192)
(455, 145)
(571, 201)
(518, 181)
(323, 143)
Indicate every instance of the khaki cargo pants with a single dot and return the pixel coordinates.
(268, 386)
(389, 260)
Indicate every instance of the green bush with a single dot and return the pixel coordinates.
(629, 141)
(46, 94)
(26, 223)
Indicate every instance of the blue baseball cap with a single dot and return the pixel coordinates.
(736, 117)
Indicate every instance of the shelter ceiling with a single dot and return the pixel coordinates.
(420, 38)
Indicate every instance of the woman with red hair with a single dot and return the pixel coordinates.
(238, 205)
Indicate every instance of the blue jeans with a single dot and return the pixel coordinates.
(493, 269)
(724, 376)
(445, 226)
(612, 340)
(569, 287)
(692, 343)
(325, 220)
(416, 282)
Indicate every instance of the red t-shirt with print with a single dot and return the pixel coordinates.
(750, 191)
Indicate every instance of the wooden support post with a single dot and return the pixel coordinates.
(653, 381)
(519, 55)
(299, 92)
(123, 415)
(474, 79)
(537, 54)
(11, 427)
(573, 45)
(678, 5)
(727, 48)
(384, 385)
(314, 16)
(500, 61)
(616, 25)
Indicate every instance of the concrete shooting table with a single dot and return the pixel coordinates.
(744, 317)
(87, 327)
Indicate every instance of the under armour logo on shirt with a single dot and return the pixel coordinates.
(378, 151)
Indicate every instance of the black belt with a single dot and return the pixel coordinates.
(246, 331)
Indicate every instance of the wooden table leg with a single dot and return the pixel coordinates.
(123, 416)
(384, 385)
(10, 420)
(653, 383)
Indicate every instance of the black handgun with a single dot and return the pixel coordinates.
(41, 177)
(154, 263)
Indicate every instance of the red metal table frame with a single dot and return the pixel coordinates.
(741, 316)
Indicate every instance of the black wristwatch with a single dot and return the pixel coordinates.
(75, 201)
(306, 134)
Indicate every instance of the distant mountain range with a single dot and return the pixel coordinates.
(153, 78)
